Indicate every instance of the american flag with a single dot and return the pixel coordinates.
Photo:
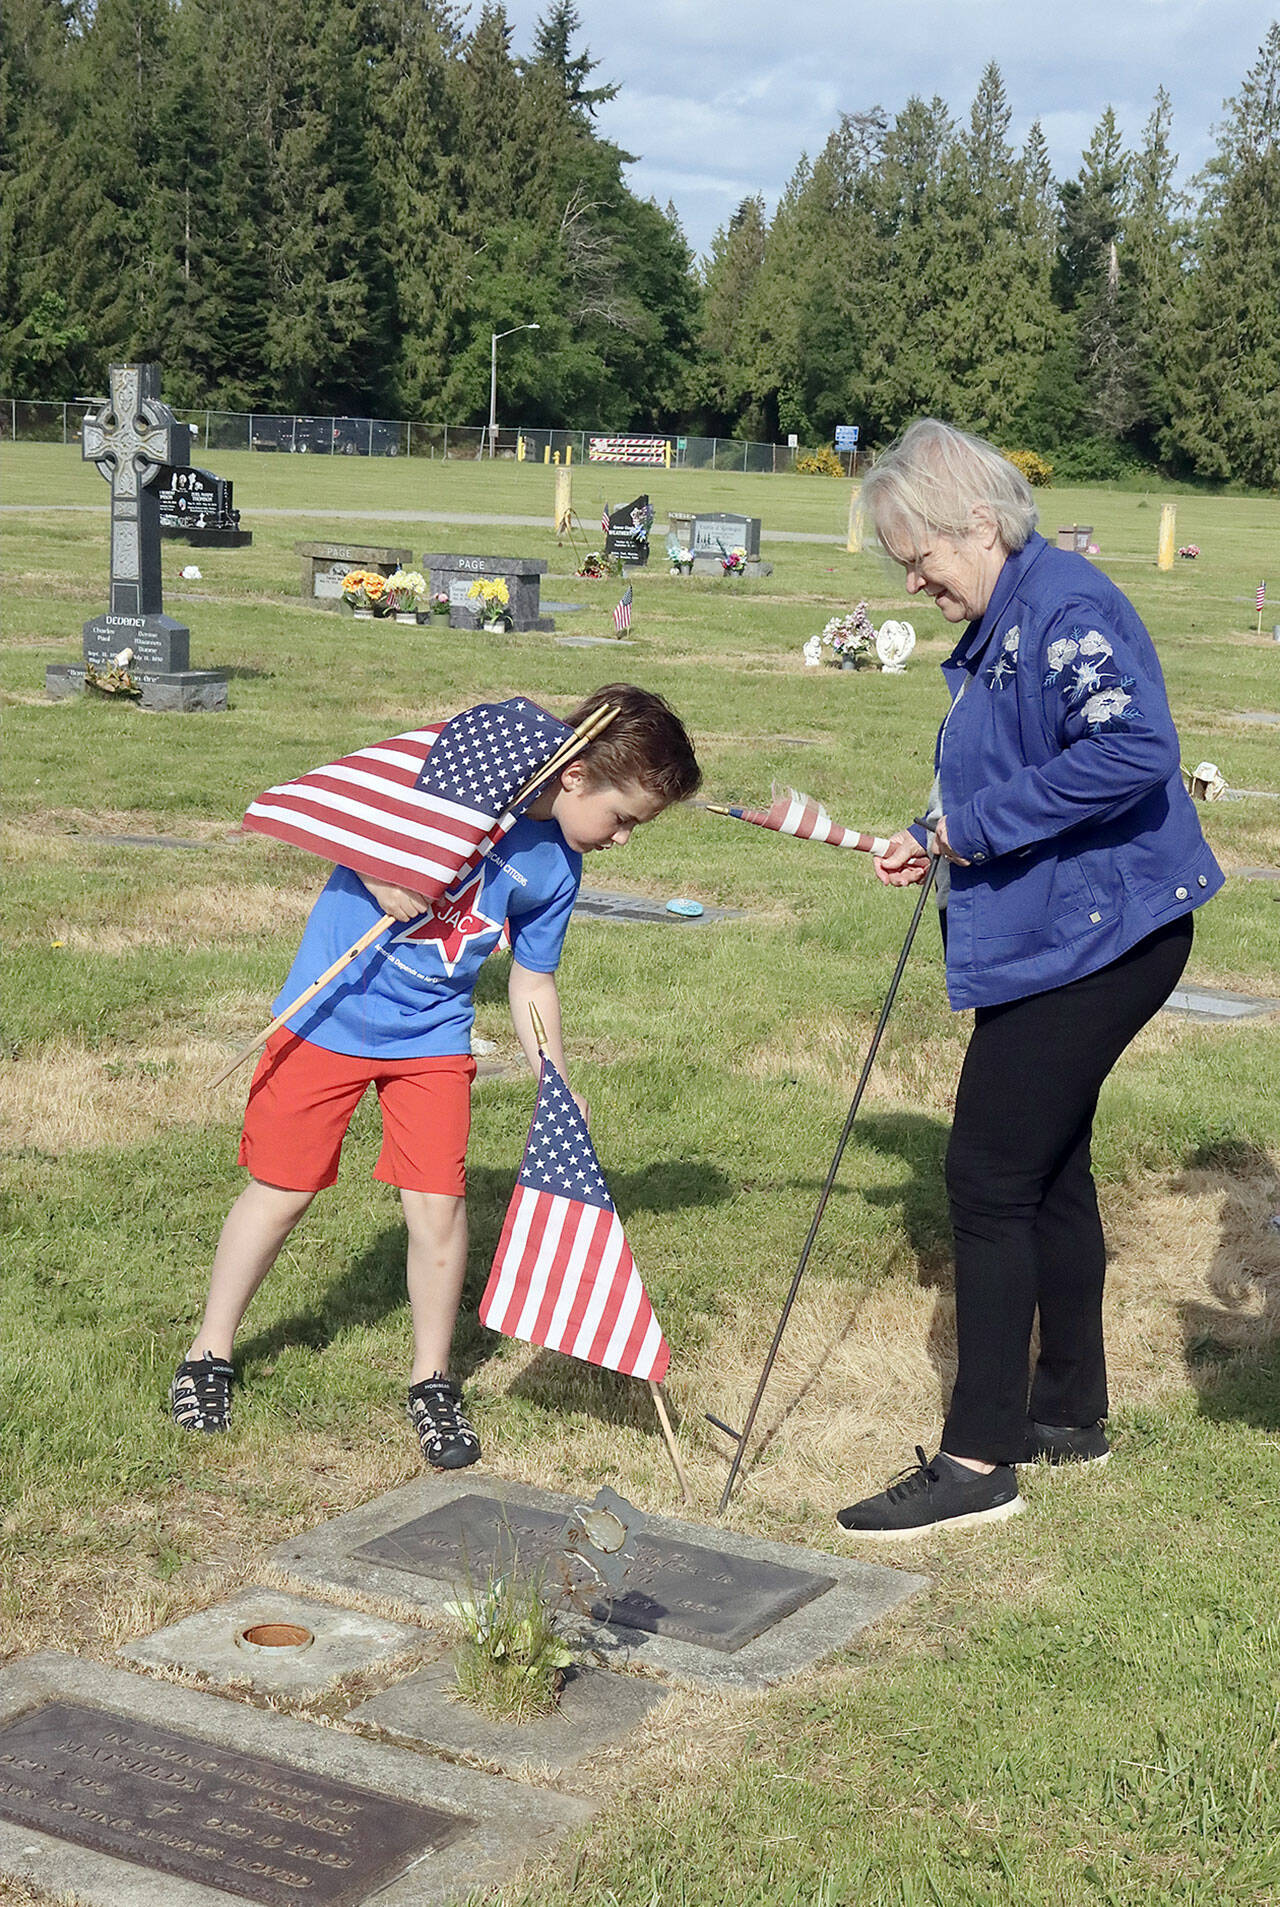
(563, 1275)
(420, 808)
(622, 614)
(1262, 596)
(795, 813)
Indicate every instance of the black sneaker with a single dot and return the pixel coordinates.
(941, 1491)
(1065, 1443)
(436, 1413)
(200, 1394)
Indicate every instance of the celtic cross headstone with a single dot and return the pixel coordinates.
(131, 439)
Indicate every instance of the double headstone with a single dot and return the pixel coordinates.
(135, 644)
(453, 576)
(717, 532)
(196, 505)
(627, 535)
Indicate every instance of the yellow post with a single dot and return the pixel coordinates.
(568, 453)
(519, 450)
(546, 453)
(564, 500)
(666, 453)
(854, 543)
(1168, 536)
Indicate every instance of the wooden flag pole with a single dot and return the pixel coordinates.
(665, 1421)
(540, 1034)
(330, 973)
(594, 725)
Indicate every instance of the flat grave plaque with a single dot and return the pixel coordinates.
(684, 1590)
(175, 1803)
(1215, 1003)
(596, 903)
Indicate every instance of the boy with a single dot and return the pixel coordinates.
(400, 1018)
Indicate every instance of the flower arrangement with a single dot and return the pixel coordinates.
(734, 562)
(1190, 551)
(493, 596)
(846, 640)
(680, 558)
(405, 590)
(440, 603)
(596, 564)
(365, 589)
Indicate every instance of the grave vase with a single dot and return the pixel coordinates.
(496, 625)
(363, 615)
(407, 615)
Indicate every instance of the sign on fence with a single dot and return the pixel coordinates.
(846, 436)
(629, 450)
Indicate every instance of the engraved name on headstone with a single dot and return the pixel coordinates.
(174, 1803)
(688, 1591)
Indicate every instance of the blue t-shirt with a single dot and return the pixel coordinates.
(410, 994)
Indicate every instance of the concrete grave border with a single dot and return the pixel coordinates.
(513, 1822)
(326, 1557)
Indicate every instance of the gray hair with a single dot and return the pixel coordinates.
(935, 480)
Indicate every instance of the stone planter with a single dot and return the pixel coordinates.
(851, 662)
(363, 615)
(496, 625)
(407, 615)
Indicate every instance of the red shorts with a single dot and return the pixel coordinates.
(302, 1099)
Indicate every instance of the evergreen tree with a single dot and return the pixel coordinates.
(728, 281)
(1225, 376)
(553, 48)
(1151, 272)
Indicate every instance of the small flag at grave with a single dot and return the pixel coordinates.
(799, 814)
(622, 614)
(563, 1275)
(420, 808)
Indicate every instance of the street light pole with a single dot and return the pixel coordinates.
(493, 376)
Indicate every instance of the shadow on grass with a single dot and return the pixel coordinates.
(1232, 1346)
(373, 1286)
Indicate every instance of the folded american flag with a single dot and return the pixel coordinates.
(563, 1275)
(420, 808)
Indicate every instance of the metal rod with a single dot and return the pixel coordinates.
(826, 1190)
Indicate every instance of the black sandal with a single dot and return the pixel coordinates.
(200, 1394)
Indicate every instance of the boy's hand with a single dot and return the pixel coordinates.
(400, 902)
(904, 863)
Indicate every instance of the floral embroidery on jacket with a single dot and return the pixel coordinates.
(1006, 663)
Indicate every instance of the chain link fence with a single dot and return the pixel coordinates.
(35, 421)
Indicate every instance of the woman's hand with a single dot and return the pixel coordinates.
(944, 846)
(904, 863)
(400, 902)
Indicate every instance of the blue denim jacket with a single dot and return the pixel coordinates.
(1060, 782)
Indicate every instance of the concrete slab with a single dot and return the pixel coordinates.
(212, 1643)
(130, 1792)
(598, 903)
(1254, 873)
(338, 1555)
(1214, 1003)
(596, 1709)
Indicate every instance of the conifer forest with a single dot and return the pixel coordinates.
(330, 205)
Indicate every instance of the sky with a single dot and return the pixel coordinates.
(719, 98)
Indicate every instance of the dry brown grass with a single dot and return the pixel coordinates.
(67, 1098)
(186, 919)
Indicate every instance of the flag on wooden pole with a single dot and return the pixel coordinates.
(563, 1275)
(622, 614)
(420, 808)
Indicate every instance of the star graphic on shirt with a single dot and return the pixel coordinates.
(453, 922)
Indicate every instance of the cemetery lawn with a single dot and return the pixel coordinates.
(1083, 1708)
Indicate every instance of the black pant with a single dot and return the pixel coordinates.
(1023, 1204)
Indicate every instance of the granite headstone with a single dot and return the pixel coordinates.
(132, 439)
(452, 576)
(197, 506)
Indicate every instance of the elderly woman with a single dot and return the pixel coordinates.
(1070, 863)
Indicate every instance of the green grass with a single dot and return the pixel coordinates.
(1083, 1708)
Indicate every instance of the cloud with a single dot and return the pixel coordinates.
(719, 99)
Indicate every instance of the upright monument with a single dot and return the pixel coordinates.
(135, 645)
